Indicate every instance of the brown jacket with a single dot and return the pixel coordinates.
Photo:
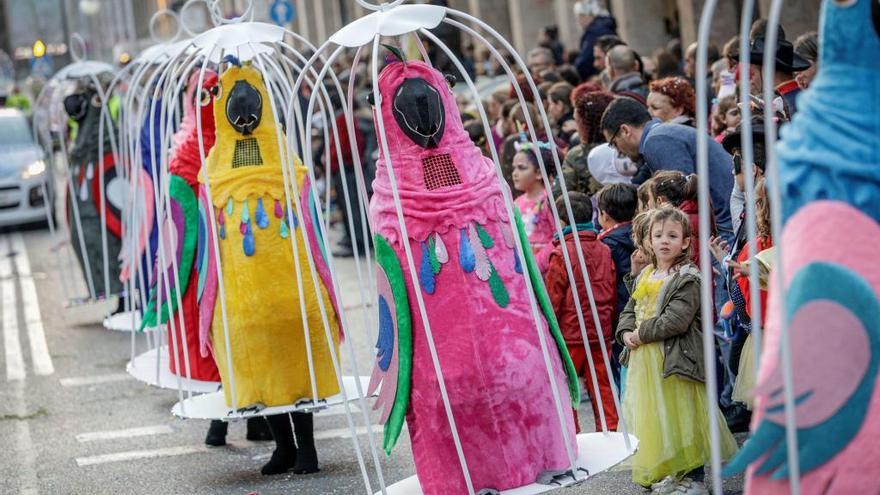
(676, 324)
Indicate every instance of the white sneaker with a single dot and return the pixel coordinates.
(665, 486)
(688, 486)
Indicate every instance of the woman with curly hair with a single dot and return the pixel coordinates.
(589, 104)
(673, 100)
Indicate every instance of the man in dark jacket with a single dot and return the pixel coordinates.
(628, 127)
(600, 270)
(596, 22)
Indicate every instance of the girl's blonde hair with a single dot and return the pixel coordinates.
(668, 214)
(641, 231)
(646, 193)
(762, 208)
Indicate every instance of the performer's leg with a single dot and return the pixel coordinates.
(307, 458)
(285, 453)
(258, 430)
(217, 433)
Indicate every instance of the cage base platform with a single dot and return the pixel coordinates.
(213, 405)
(125, 321)
(597, 452)
(143, 369)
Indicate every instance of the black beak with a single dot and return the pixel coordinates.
(244, 107)
(419, 112)
(76, 105)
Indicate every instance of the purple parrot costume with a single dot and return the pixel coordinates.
(476, 299)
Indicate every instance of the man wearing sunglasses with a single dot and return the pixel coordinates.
(629, 129)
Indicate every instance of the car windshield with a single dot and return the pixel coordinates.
(14, 131)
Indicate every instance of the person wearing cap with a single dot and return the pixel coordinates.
(596, 22)
(787, 64)
(732, 143)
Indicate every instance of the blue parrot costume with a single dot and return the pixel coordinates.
(829, 172)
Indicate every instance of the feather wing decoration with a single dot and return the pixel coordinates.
(393, 368)
(315, 239)
(206, 265)
(180, 236)
(143, 197)
(828, 301)
(547, 309)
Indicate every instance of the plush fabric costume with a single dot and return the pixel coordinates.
(181, 235)
(85, 108)
(829, 164)
(266, 327)
(475, 296)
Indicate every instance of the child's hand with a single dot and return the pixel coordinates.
(637, 262)
(740, 270)
(719, 247)
(631, 340)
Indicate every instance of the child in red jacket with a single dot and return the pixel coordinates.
(603, 280)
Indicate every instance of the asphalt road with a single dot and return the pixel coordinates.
(73, 422)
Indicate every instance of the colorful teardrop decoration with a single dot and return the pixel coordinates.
(426, 272)
(283, 231)
(230, 207)
(483, 267)
(221, 221)
(432, 255)
(465, 254)
(507, 233)
(517, 265)
(84, 184)
(499, 292)
(245, 213)
(485, 238)
(247, 242)
(260, 215)
(279, 211)
(440, 249)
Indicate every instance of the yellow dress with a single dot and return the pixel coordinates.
(746, 376)
(667, 415)
(266, 324)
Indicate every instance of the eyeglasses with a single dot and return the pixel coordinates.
(613, 137)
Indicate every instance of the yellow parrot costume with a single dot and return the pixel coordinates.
(266, 326)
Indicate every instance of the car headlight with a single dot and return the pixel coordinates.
(33, 170)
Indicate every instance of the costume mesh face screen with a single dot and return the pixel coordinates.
(439, 171)
(247, 153)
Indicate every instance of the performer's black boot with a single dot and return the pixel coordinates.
(285, 454)
(258, 429)
(217, 433)
(307, 456)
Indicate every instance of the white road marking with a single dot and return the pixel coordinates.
(40, 357)
(140, 454)
(127, 433)
(11, 341)
(79, 381)
(22, 445)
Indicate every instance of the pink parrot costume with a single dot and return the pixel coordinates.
(476, 299)
(829, 170)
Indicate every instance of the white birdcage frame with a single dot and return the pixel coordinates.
(391, 20)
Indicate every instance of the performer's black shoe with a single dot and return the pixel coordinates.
(282, 460)
(217, 433)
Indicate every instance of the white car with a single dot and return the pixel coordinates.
(24, 175)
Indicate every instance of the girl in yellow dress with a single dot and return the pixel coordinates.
(665, 405)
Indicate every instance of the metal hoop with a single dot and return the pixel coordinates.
(380, 7)
(182, 15)
(217, 15)
(77, 40)
(154, 19)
